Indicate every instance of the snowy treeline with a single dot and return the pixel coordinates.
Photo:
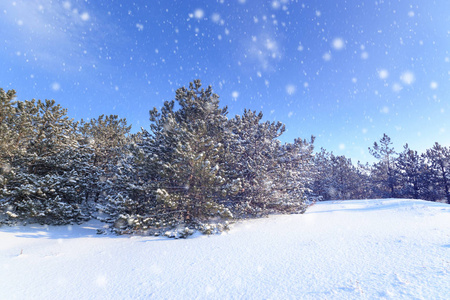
(407, 174)
(195, 168)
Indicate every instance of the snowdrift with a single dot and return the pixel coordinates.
(355, 249)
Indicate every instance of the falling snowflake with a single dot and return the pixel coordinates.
(67, 5)
(56, 86)
(140, 27)
(276, 4)
(433, 85)
(235, 94)
(383, 74)
(290, 89)
(338, 44)
(407, 77)
(396, 87)
(215, 17)
(85, 16)
(199, 13)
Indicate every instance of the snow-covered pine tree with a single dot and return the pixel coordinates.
(186, 145)
(108, 137)
(321, 184)
(438, 158)
(292, 177)
(337, 177)
(255, 162)
(42, 184)
(384, 172)
(412, 174)
(364, 184)
(8, 136)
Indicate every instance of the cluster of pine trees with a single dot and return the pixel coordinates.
(407, 174)
(194, 169)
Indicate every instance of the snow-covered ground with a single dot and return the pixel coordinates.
(365, 249)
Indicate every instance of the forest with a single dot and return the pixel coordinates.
(195, 168)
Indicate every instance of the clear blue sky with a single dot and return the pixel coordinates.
(344, 71)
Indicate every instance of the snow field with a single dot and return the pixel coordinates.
(359, 249)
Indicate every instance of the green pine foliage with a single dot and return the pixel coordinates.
(194, 169)
(42, 175)
(197, 169)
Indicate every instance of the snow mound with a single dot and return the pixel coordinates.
(359, 249)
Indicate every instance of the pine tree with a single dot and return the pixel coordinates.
(385, 170)
(186, 145)
(439, 159)
(251, 158)
(338, 179)
(107, 137)
(8, 135)
(412, 174)
(42, 182)
(293, 176)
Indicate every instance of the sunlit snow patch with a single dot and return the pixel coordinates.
(101, 281)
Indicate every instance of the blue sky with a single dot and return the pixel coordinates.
(344, 71)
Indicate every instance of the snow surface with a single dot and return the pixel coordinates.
(360, 249)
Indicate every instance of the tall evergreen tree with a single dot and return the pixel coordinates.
(252, 157)
(385, 170)
(439, 159)
(412, 174)
(186, 145)
(107, 138)
(43, 181)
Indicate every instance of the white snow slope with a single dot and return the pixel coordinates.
(362, 249)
